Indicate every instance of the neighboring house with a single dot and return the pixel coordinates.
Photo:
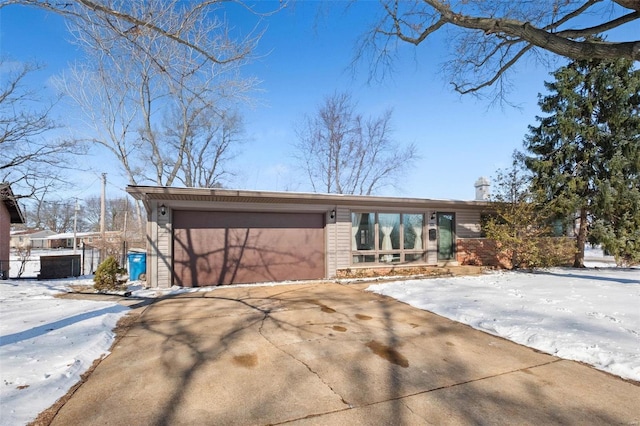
(93, 239)
(200, 236)
(9, 213)
(36, 239)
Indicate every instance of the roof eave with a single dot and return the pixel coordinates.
(9, 200)
(160, 193)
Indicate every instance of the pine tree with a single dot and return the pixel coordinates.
(106, 277)
(585, 154)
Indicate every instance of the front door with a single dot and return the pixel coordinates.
(446, 236)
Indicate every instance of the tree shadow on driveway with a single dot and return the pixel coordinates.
(330, 354)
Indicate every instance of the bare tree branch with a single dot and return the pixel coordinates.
(158, 106)
(30, 156)
(125, 22)
(490, 37)
(343, 153)
(462, 90)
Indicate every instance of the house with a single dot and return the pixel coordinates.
(93, 239)
(201, 236)
(9, 213)
(34, 238)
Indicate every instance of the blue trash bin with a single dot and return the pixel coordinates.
(137, 265)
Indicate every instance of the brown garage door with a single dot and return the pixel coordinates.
(212, 248)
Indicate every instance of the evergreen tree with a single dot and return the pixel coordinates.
(585, 154)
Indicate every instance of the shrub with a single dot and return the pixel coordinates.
(520, 225)
(106, 277)
(556, 251)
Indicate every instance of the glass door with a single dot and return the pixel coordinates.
(446, 236)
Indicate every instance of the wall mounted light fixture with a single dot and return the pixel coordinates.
(433, 216)
(333, 214)
(163, 209)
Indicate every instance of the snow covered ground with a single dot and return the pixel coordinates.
(46, 344)
(591, 315)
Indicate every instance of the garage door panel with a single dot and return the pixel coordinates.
(268, 247)
(241, 220)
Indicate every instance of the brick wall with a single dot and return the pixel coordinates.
(382, 271)
(5, 238)
(485, 252)
(481, 252)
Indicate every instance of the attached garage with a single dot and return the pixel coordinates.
(212, 248)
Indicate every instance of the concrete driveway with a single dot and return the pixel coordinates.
(330, 354)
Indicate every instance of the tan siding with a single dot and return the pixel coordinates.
(432, 246)
(164, 250)
(331, 235)
(159, 249)
(154, 255)
(343, 247)
(468, 224)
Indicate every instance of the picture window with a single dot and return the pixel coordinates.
(387, 237)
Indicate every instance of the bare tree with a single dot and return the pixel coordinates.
(488, 37)
(120, 215)
(109, 114)
(56, 216)
(208, 148)
(31, 157)
(123, 223)
(23, 253)
(343, 153)
(146, 96)
(169, 20)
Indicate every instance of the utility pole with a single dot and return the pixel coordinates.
(103, 212)
(75, 227)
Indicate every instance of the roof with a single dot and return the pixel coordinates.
(67, 235)
(164, 193)
(32, 233)
(10, 202)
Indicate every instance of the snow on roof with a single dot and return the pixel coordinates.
(79, 235)
(70, 235)
(32, 233)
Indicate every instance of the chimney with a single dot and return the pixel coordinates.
(482, 189)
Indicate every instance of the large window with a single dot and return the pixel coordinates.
(387, 237)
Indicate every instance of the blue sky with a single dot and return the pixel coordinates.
(303, 57)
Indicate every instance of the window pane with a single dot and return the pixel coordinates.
(362, 231)
(389, 230)
(414, 257)
(390, 258)
(364, 258)
(413, 225)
